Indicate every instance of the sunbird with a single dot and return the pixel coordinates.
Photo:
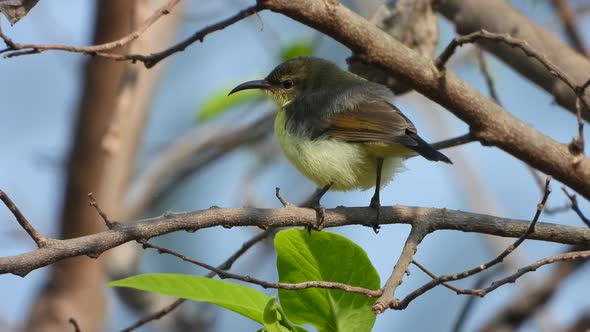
(338, 129)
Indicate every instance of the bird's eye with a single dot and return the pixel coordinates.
(287, 84)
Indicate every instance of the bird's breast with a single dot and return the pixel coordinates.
(347, 165)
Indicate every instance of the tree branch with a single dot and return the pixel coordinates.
(15, 49)
(531, 229)
(266, 284)
(434, 219)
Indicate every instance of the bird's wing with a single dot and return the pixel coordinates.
(375, 121)
(379, 122)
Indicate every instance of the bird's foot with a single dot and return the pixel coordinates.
(320, 213)
(375, 204)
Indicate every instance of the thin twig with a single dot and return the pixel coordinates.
(530, 303)
(483, 67)
(443, 58)
(541, 184)
(433, 276)
(151, 60)
(402, 304)
(265, 284)
(22, 220)
(226, 265)
(455, 141)
(533, 267)
(280, 198)
(16, 49)
(100, 212)
(574, 200)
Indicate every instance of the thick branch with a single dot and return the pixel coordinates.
(488, 122)
(433, 219)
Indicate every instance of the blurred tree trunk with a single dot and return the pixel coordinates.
(75, 286)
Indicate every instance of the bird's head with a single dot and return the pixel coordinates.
(294, 77)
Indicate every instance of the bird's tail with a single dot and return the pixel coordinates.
(427, 151)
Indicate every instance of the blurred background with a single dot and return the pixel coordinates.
(174, 142)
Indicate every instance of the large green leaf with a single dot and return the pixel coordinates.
(219, 102)
(328, 257)
(238, 298)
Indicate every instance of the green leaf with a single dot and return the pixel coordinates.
(298, 48)
(325, 256)
(219, 102)
(238, 298)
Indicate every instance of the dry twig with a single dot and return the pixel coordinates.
(22, 220)
(15, 49)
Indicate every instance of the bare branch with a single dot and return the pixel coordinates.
(512, 42)
(265, 284)
(455, 141)
(103, 215)
(531, 229)
(435, 219)
(280, 198)
(528, 303)
(16, 49)
(153, 59)
(533, 267)
(501, 17)
(22, 220)
(483, 67)
(433, 276)
(575, 207)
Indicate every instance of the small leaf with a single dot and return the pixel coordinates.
(325, 256)
(299, 48)
(238, 298)
(219, 102)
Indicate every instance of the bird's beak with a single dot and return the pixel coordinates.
(256, 84)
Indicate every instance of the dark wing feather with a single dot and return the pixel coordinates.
(379, 121)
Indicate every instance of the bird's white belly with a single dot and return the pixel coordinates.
(346, 165)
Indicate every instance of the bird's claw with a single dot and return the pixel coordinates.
(320, 212)
(375, 204)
